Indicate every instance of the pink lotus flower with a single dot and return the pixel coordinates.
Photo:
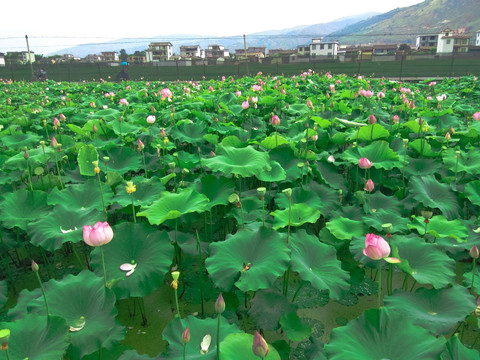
(331, 159)
(56, 123)
(256, 88)
(441, 97)
(260, 346)
(123, 102)
(100, 234)
(62, 117)
(166, 93)
(186, 336)
(238, 93)
(54, 142)
(369, 186)
(140, 145)
(476, 116)
(309, 104)
(245, 105)
(129, 268)
(376, 248)
(220, 304)
(275, 120)
(151, 119)
(380, 95)
(396, 119)
(364, 163)
(372, 119)
(210, 88)
(429, 98)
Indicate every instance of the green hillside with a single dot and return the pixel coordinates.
(402, 25)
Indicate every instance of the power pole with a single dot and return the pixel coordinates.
(29, 58)
(246, 57)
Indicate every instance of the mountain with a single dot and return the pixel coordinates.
(402, 25)
(273, 39)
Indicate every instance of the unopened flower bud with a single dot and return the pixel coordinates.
(186, 336)
(35, 266)
(220, 303)
(474, 252)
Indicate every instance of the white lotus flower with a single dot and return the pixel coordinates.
(205, 344)
(130, 268)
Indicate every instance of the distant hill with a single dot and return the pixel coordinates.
(402, 25)
(274, 39)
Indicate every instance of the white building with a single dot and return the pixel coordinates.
(320, 48)
(477, 39)
(159, 51)
(2, 60)
(191, 51)
(426, 41)
(450, 41)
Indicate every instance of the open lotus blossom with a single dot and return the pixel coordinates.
(376, 248)
(151, 119)
(364, 163)
(123, 102)
(245, 105)
(260, 346)
(441, 97)
(129, 268)
(100, 234)
(78, 325)
(331, 159)
(205, 344)
(166, 93)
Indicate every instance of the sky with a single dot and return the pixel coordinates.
(52, 25)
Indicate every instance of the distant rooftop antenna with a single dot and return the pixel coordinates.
(29, 58)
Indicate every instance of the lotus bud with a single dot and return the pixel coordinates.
(474, 252)
(131, 187)
(151, 119)
(186, 336)
(140, 145)
(448, 136)
(25, 154)
(369, 186)
(54, 142)
(275, 120)
(205, 344)
(220, 303)
(309, 104)
(35, 266)
(364, 163)
(94, 128)
(457, 154)
(287, 192)
(396, 119)
(420, 121)
(372, 119)
(476, 116)
(260, 346)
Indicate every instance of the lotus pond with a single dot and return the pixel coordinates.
(308, 217)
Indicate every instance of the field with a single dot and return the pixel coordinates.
(76, 72)
(310, 216)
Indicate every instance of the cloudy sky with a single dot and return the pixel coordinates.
(56, 24)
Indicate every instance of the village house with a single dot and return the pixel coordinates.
(477, 39)
(159, 51)
(426, 41)
(216, 54)
(191, 51)
(2, 59)
(110, 56)
(450, 41)
(303, 50)
(319, 48)
(92, 58)
(23, 57)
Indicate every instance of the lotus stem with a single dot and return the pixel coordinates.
(176, 303)
(133, 209)
(414, 283)
(43, 292)
(29, 176)
(473, 271)
(58, 171)
(298, 290)
(200, 277)
(184, 350)
(103, 266)
(218, 337)
(144, 163)
(141, 305)
(379, 300)
(101, 194)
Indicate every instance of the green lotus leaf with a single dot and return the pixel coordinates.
(243, 161)
(198, 328)
(122, 160)
(20, 141)
(137, 244)
(472, 192)
(117, 352)
(187, 160)
(324, 275)
(329, 173)
(36, 157)
(286, 158)
(61, 225)
(37, 337)
(235, 344)
(297, 215)
(425, 262)
(345, 229)
(371, 133)
(71, 298)
(383, 334)
(276, 173)
(267, 307)
(378, 218)
(378, 201)
(82, 197)
(249, 212)
(173, 205)
(147, 191)
(273, 141)
(467, 280)
(251, 260)
(124, 127)
(216, 188)
(22, 206)
(467, 161)
(191, 133)
(378, 152)
(294, 327)
(422, 166)
(107, 114)
(455, 350)
(435, 310)
(131, 355)
(439, 227)
(433, 194)
(423, 148)
(3, 293)
(86, 156)
(298, 109)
